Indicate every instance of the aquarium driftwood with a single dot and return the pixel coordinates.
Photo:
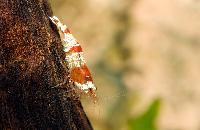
(35, 92)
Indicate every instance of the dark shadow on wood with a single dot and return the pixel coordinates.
(30, 65)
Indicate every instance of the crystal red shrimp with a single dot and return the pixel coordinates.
(79, 72)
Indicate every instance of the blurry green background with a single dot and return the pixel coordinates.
(145, 59)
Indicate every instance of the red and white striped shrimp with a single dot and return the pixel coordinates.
(79, 72)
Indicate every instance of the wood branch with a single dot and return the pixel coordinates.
(30, 67)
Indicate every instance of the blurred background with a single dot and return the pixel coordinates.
(145, 59)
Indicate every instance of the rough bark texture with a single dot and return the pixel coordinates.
(30, 66)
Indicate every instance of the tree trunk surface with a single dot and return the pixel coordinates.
(31, 65)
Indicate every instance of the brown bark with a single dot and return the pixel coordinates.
(30, 66)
